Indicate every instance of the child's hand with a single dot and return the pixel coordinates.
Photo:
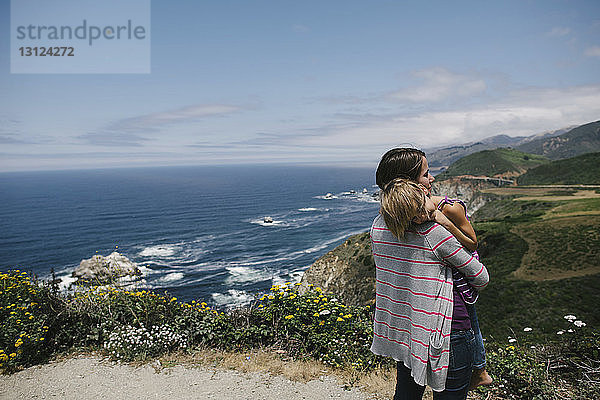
(440, 218)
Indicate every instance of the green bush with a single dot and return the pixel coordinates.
(38, 321)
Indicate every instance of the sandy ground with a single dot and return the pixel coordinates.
(86, 377)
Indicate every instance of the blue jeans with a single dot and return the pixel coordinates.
(459, 372)
(479, 350)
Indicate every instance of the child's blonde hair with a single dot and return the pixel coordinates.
(401, 201)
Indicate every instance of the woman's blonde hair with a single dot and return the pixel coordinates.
(401, 201)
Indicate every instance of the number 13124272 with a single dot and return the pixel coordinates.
(47, 51)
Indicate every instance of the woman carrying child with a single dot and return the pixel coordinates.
(396, 254)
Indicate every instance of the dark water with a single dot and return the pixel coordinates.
(197, 232)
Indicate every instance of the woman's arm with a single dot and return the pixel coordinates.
(453, 217)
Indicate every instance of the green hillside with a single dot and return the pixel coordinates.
(499, 162)
(584, 169)
(580, 140)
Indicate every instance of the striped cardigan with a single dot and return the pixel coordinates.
(413, 307)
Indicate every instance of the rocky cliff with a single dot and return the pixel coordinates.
(348, 271)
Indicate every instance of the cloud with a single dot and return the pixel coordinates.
(439, 84)
(593, 51)
(113, 139)
(10, 139)
(299, 28)
(157, 120)
(558, 31)
(521, 112)
(134, 131)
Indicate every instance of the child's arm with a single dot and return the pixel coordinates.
(453, 217)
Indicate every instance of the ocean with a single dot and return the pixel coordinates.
(198, 233)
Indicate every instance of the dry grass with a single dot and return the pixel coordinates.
(380, 382)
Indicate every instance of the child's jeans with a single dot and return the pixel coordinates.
(478, 350)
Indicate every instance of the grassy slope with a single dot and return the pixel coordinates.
(580, 140)
(510, 304)
(584, 169)
(493, 162)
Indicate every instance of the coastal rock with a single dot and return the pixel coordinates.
(467, 189)
(102, 269)
(348, 272)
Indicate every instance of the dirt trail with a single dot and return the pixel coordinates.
(86, 377)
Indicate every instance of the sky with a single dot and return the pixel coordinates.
(309, 82)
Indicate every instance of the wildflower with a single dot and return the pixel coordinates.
(316, 314)
(560, 332)
(13, 355)
(579, 324)
(289, 316)
(527, 329)
(512, 340)
(570, 331)
(325, 312)
(339, 319)
(570, 318)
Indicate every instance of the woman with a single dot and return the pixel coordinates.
(415, 304)
(412, 164)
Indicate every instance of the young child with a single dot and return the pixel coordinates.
(451, 214)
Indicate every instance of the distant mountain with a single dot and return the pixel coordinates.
(580, 140)
(580, 170)
(445, 156)
(503, 162)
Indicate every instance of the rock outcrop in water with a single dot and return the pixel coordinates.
(100, 269)
(348, 271)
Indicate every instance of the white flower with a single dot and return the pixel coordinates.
(570, 318)
(570, 331)
(325, 312)
(527, 329)
(512, 340)
(579, 324)
(560, 332)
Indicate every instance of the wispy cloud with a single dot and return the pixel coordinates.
(439, 84)
(593, 51)
(134, 131)
(155, 121)
(558, 31)
(300, 28)
(520, 112)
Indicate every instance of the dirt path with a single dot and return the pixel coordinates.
(86, 377)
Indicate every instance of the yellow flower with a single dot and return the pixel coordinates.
(348, 316)
(289, 316)
(321, 322)
(41, 339)
(339, 319)
(316, 314)
(13, 355)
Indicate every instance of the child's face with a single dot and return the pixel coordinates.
(428, 215)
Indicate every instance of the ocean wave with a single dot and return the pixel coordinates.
(161, 251)
(232, 298)
(170, 278)
(309, 209)
(243, 274)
